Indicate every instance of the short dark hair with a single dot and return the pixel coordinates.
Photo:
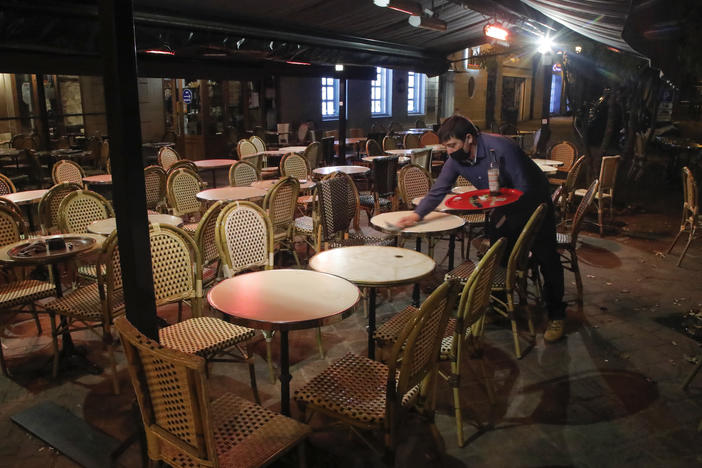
(457, 127)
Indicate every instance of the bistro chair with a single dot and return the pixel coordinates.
(605, 190)
(567, 196)
(280, 203)
(67, 171)
(258, 143)
(167, 156)
(564, 152)
(410, 140)
(6, 185)
(422, 159)
(243, 174)
(15, 294)
(182, 187)
(184, 427)
(429, 138)
(413, 181)
(177, 275)
(283, 130)
(295, 165)
(205, 240)
(384, 185)
(567, 242)
(12, 206)
(373, 148)
(79, 208)
(389, 143)
(245, 148)
(368, 395)
(313, 155)
(186, 163)
(463, 335)
(256, 159)
(690, 212)
(155, 185)
(104, 159)
(48, 207)
(328, 152)
(513, 277)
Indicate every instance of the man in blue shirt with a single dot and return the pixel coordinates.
(470, 155)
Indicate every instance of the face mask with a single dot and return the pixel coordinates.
(462, 157)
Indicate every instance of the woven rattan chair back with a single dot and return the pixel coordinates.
(80, 208)
(313, 155)
(519, 257)
(410, 140)
(244, 238)
(258, 143)
(205, 233)
(690, 193)
(280, 203)
(564, 152)
(167, 156)
(177, 266)
(389, 143)
(6, 185)
(429, 138)
(573, 175)
(110, 263)
(583, 206)
(67, 171)
(294, 165)
(422, 159)
(417, 347)
(337, 204)
(245, 148)
(385, 175)
(12, 206)
(172, 392)
(255, 159)
(186, 163)
(155, 184)
(12, 226)
(373, 148)
(608, 175)
(104, 158)
(48, 207)
(243, 174)
(182, 187)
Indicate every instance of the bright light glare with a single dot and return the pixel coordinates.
(578, 49)
(496, 32)
(544, 45)
(381, 3)
(339, 67)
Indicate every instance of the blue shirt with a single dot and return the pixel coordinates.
(517, 171)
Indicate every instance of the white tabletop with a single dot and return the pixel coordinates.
(436, 147)
(440, 207)
(100, 179)
(345, 169)
(214, 163)
(284, 299)
(106, 226)
(269, 183)
(374, 265)
(27, 197)
(401, 159)
(547, 162)
(463, 189)
(231, 194)
(404, 152)
(548, 169)
(433, 223)
(293, 149)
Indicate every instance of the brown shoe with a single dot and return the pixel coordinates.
(554, 331)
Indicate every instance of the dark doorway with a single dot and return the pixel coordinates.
(512, 99)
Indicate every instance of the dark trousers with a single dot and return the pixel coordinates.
(544, 253)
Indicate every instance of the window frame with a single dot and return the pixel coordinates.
(419, 93)
(384, 87)
(333, 83)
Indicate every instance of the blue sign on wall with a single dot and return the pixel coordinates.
(187, 96)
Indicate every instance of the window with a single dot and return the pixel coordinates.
(380, 92)
(330, 98)
(415, 93)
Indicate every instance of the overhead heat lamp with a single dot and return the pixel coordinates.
(496, 31)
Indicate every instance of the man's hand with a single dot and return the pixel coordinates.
(409, 220)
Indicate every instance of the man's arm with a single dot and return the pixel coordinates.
(442, 186)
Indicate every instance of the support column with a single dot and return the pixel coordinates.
(342, 120)
(128, 192)
(44, 137)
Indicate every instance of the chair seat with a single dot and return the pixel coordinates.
(462, 272)
(354, 387)
(369, 201)
(372, 237)
(203, 335)
(478, 218)
(447, 340)
(563, 240)
(88, 272)
(387, 333)
(84, 304)
(21, 292)
(499, 281)
(304, 225)
(245, 434)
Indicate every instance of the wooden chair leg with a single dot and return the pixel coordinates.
(2, 361)
(54, 344)
(320, 345)
(687, 245)
(515, 333)
(36, 318)
(600, 217)
(252, 377)
(675, 241)
(576, 272)
(454, 381)
(692, 375)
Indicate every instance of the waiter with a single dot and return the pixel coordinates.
(470, 153)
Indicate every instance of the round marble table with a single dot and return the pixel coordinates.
(212, 165)
(374, 267)
(27, 197)
(231, 194)
(437, 148)
(106, 226)
(284, 300)
(350, 170)
(268, 183)
(547, 162)
(548, 169)
(400, 160)
(100, 179)
(404, 152)
(440, 207)
(293, 149)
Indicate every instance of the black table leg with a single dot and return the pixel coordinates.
(214, 178)
(371, 323)
(284, 374)
(451, 250)
(415, 290)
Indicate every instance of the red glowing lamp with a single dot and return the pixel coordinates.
(496, 31)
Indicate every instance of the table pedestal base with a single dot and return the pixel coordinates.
(285, 376)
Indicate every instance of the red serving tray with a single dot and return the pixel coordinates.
(483, 200)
